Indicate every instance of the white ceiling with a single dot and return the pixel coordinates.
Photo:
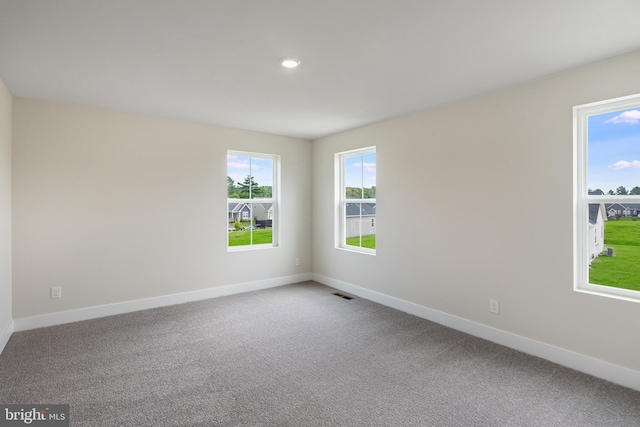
(216, 61)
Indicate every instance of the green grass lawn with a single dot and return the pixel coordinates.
(622, 270)
(243, 238)
(368, 241)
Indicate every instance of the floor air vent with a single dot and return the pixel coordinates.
(338, 294)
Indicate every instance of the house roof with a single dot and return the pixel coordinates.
(594, 209)
(622, 206)
(235, 207)
(217, 62)
(356, 209)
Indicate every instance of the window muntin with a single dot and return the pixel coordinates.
(356, 200)
(607, 198)
(252, 188)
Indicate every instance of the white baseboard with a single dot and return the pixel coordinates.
(6, 334)
(580, 362)
(58, 318)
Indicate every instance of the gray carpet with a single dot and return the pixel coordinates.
(296, 356)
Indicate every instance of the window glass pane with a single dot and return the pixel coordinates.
(614, 253)
(352, 224)
(353, 177)
(261, 226)
(369, 176)
(249, 177)
(238, 169)
(239, 229)
(360, 225)
(614, 153)
(614, 250)
(262, 173)
(360, 176)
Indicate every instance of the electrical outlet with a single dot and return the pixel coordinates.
(494, 306)
(56, 292)
(297, 261)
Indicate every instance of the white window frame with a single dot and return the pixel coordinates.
(341, 200)
(581, 198)
(274, 200)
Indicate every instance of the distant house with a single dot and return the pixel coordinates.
(239, 211)
(614, 210)
(242, 211)
(597, 217)
(617, 210)
(360, 219)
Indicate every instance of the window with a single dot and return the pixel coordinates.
(356, 200)
(252, 200)
(607, 198)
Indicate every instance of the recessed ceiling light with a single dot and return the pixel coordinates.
(289, 62)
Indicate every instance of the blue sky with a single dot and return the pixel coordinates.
(239, 167)
(360, 171)
(614, 150)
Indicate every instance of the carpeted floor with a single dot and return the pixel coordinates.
(296, 356)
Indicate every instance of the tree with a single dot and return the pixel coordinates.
(357, 192)
(353, 192)
(635, 191)
(621, 191)
(264, 191)
(232, 190)
(237, 226)
(370, 193)
(249, 186)
(611, 193)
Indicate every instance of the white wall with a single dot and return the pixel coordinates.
(5, 212)
(116, 207)
(491, 178)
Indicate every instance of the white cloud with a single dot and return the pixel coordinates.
(244, 165)
(369, 167)
(631, 117)
(624, 164)
(238, 165)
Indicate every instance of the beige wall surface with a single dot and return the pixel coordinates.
(475, 203)
(116, 207)
(5, 207)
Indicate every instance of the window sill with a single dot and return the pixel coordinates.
(250, 248)
(608, 292)
(365, 251)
